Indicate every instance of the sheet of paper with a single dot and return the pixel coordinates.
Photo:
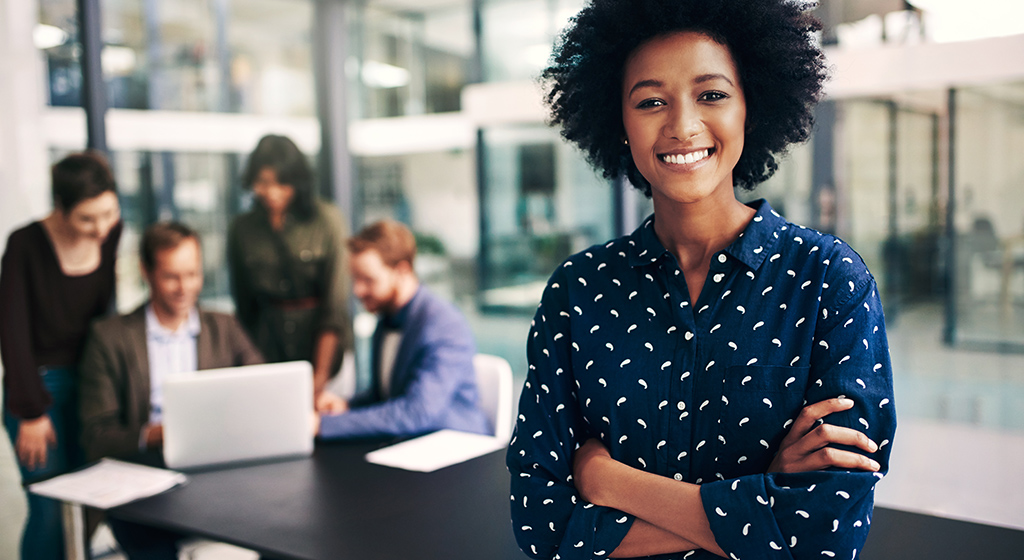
(109, 483)
(435, 451)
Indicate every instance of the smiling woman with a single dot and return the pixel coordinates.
(57, 275)
(666, 409)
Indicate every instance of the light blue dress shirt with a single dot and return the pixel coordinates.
(170, 352)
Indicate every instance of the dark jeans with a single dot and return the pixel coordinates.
(43, 538)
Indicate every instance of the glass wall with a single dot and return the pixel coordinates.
(889, 181)
(196, 58)
(541, 203)
(409, 62)
(191, 55)
(989, 223)
(517, 35)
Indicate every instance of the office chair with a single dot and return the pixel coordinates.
(494, 384)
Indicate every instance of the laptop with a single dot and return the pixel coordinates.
(242, 414)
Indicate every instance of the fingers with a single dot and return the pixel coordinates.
(31, 455)
(839, 435)
(831, 457)
(812, 452)
(316, 424)
(810, 415)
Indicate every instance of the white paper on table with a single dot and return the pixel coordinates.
(435, 451)
(109, 483)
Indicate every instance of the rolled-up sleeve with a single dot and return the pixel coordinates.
(548, 515)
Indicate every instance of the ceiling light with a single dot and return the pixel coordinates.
(48, 36)
(385, 76)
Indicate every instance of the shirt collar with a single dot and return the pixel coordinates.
(750, 248)
(397, 319)
(154, 329)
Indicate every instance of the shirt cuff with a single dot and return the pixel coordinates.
(606, 527)
(740, 514)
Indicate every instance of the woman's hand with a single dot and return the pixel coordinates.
(35, 437)
(588, 463)
(805, 447)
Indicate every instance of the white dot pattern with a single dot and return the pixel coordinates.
(703, 391)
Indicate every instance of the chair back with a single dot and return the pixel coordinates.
(494, 385)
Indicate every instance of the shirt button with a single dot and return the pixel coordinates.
(681, 405)
(688, 335)
(678, 476)
(722, 258)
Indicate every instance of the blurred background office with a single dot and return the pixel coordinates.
(428, 111)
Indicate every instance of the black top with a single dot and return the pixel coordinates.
(45, 314)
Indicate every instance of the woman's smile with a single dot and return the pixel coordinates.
(687, 158)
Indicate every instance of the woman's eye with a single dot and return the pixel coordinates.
(713, 96)
(647, 103)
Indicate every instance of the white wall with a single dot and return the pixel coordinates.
(24, 182)
(24, 193)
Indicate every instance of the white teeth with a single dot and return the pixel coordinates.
(688, 158)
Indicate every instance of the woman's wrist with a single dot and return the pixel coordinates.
(599, 476)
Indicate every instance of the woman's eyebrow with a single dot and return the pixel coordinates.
(698, 80)
(645, 83)
(708, 77)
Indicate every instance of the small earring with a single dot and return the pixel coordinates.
(625, 141)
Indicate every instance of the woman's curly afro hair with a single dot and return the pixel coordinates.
(780, 66)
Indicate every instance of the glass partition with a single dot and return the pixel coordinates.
(541, 202)
(989, 223)
(863, 131)
(409, 61)
(191, 55)
(57, 37)
(518, 34)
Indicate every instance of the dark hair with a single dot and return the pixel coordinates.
(80, 177)
(391, 239)
(291, 166)
(162, 236)
(781, 71)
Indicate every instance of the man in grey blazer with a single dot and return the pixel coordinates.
(126, 357)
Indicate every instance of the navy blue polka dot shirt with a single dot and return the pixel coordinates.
(705, 391)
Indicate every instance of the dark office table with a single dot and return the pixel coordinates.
(335, 505)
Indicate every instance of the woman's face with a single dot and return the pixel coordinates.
(93, 218)
(685, 115)
(273, 195)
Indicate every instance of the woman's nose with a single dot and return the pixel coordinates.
(684, 121)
